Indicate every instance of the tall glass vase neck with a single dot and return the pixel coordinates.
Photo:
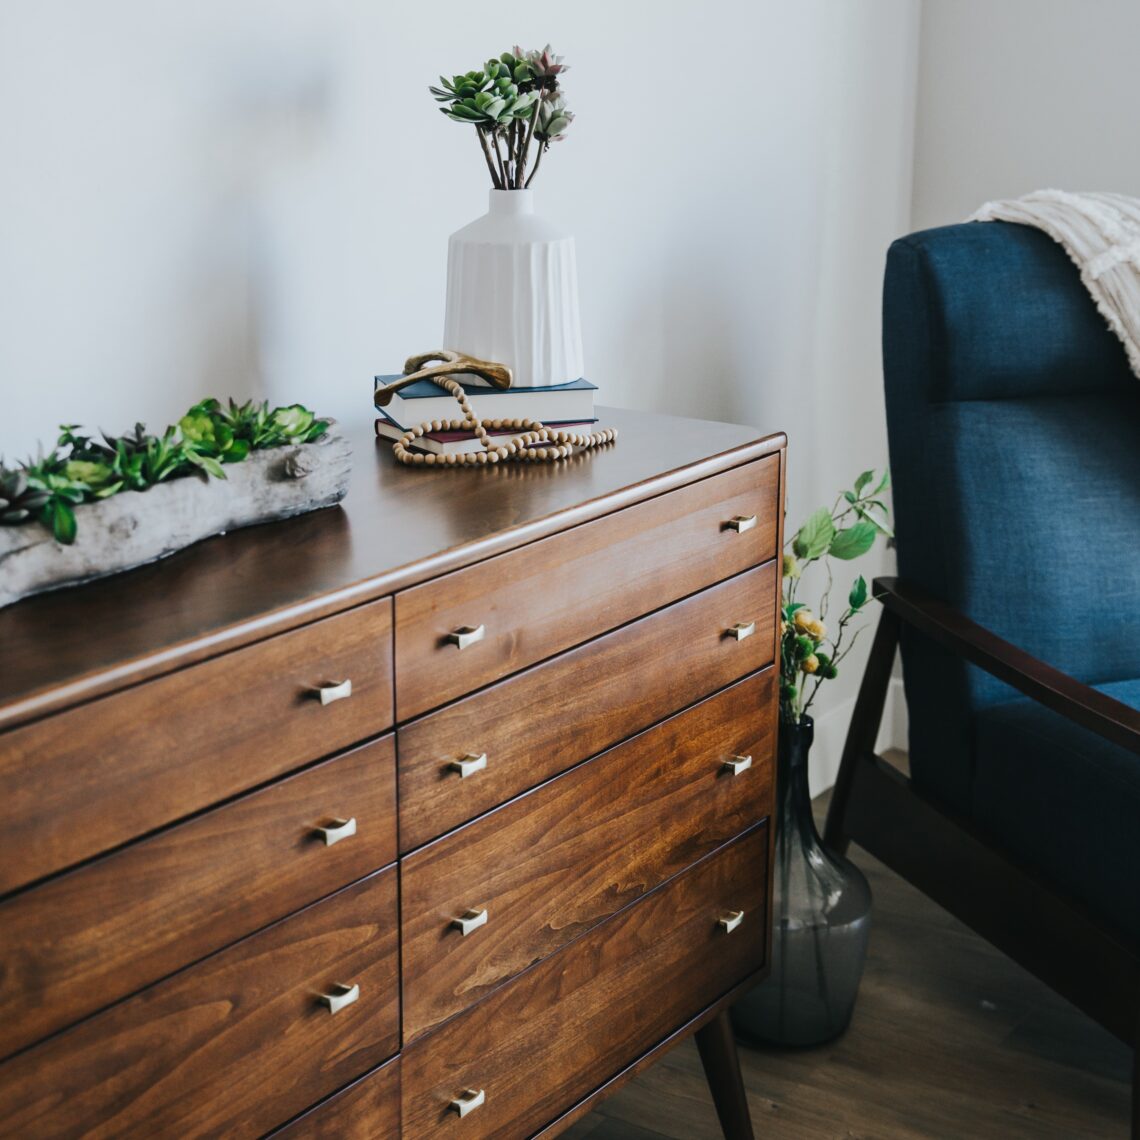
(511, 203)
(792, 752)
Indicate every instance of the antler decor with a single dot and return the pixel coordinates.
(521, 448)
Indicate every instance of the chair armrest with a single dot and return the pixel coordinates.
(1112, 719)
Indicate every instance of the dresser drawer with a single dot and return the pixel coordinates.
(546, 719)
(94, 935)
(85, 781)
(555, 862)
(543, 598)
(366, 1110)
(547, 1039)
(232, 1047)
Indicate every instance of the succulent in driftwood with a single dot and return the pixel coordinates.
(81, 468)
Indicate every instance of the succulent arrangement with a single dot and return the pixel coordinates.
(513, 102)
(809, 653)
(82, 469)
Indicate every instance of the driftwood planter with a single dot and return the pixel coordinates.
(137, 527)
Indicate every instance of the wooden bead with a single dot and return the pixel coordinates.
(523, 447)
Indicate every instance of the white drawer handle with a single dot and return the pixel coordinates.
(742, 629)
(470, 921)
(330, 693)
(340, 997)
(737, 764)
(742, 523)
(730, 920)
(466, 635)
(337, 830)
(468, 1101)
(469, 765)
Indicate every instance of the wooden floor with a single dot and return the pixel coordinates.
(950, 1039)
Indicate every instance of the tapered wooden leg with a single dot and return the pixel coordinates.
(865, 721)
(717, 1047)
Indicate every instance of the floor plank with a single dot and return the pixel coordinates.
(949, 1039)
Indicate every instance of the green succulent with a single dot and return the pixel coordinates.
(18, 501)
(553, 119)
(511, 101)
(489, 98)
(82, 468)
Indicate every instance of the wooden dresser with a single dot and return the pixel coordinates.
(441, 813)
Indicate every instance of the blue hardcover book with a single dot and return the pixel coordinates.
(425, 400)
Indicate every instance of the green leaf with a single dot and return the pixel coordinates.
(814, 537)
(207, 463)
(854, 541)
(884, 483)
(790, 610)
(863, 480)
(62, 520)
(858, 596)
(236, 452)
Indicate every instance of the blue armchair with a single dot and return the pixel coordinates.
(1014, 428)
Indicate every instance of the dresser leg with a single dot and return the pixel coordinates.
(717, 1047)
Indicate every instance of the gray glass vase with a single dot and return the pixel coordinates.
(821, 919)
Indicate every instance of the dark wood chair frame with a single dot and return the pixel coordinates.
(949, 860)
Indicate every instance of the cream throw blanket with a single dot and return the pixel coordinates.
(1101, 233)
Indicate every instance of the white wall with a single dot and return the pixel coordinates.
(1018, 95)
(230, 198)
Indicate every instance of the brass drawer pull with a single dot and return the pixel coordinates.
(468, 1101)
(466, 635)
(470, 921)
(330, 693)
(340, 997)
(469, 765)
(742, 523)
(737, 764)
(337, 830)
(742, 629)
(730, 920)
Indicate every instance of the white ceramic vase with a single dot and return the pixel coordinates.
(512, 293)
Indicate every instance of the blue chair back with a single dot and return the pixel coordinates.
(1014, 427)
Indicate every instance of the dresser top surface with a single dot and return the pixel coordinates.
(396, 527)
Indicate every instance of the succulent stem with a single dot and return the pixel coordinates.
(487, 155)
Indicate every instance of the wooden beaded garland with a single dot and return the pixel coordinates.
(519, 448)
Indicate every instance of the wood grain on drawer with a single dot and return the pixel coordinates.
(97, 934)
(369, 1109)
(549, 717)
(542, 1042)
(89, 779)
(543, 598)
(231, 1047)
(554, 862)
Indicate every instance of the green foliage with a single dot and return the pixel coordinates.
(513, 99)
(809, 654)
(83, 469)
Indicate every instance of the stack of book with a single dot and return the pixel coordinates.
(569, 407)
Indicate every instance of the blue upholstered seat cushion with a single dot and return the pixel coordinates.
(1064, 801)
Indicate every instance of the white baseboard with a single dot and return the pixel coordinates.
(831, 732)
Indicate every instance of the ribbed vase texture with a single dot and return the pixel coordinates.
(512, 293)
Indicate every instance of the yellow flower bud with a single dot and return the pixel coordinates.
(803, 620)
(783, 627)
(791, 566)
(811, 663)
(816, 630)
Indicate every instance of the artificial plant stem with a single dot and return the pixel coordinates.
(505, 181)
(537, 164)
(487, 155)
(525, 154)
